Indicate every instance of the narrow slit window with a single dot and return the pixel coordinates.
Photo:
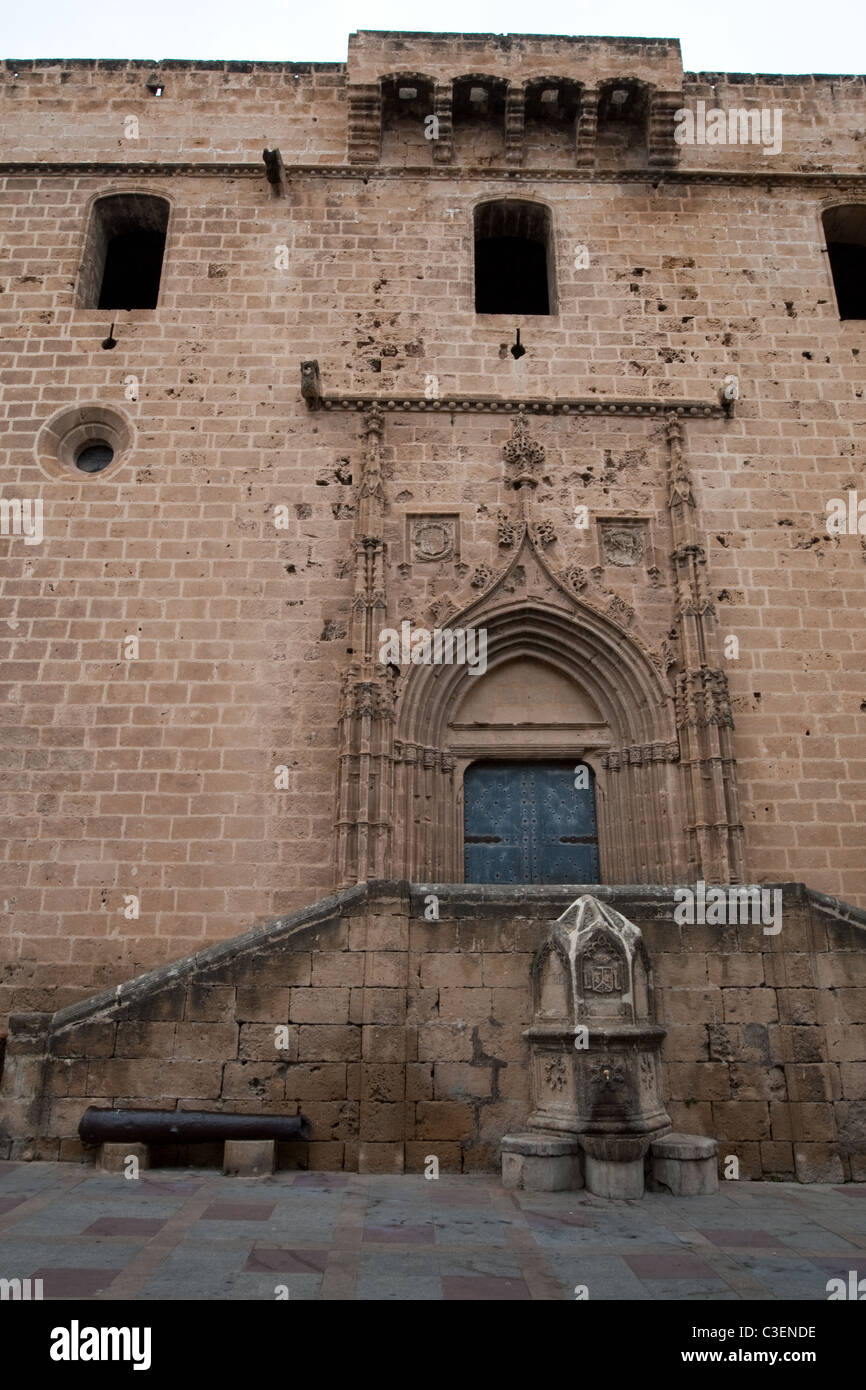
(124, 252)
(845, 231)
(513, 258)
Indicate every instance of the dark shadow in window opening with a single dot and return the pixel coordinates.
(513, 258)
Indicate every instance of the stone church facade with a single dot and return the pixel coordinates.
(540, 341)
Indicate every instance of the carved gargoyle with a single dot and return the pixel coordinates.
(274, 168)
(311, 383)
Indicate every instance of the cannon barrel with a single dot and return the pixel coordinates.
(100, 1126)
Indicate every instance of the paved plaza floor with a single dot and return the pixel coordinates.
(199, 1235)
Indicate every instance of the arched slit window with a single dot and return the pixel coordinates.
(124, 252)
(513, 258)
(845, 231)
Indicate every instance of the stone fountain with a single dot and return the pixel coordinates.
(595, 1068)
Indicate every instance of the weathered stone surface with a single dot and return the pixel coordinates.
(338, 968)
(420, 1152)
(541, 1163)
(456, 1081)
(171, 769)
(444, 1119)
(249, 1158)
(115, 1158)
(380, 1157)
(685, 1165)
(818, 1163)
(616, 1178)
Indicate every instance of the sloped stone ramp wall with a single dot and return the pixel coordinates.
(402, 1037)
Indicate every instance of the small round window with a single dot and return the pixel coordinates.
(94, 457)
(87, 440)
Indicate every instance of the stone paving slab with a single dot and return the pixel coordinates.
(183, 1235)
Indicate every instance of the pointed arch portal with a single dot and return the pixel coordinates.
(560, 680)
(563, 686)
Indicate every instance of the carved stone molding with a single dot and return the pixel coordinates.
(443, 145)
(617, 758)
(545, 533)
(586, 127)
(443, 607)
(602, 968)
(517, 405)
(416, 753)
(555, 1074)
(714, 829)
(523, 456)
(365, 123)
(399, 789)
(373, 699)
(622, 542)
(663, 150)
(703, 700)
(680, 492)
(620, 611)
(839, 182)
(433, 536)
(515, 106)
(607, 1074)
(482, 577)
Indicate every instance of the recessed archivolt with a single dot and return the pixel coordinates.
(616, 673)
(620, 680)
(529, 692)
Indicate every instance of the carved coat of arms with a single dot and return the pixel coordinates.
(601, 971)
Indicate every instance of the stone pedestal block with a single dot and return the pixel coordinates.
(541, 1163)
(381, 1157)
(249, 1158)
(607, 1179)
(113, 1158)
(686, 1165)
(614, 1164)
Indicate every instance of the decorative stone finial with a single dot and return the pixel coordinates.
(524, 457)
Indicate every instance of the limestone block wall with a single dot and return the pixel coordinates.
(154, 778)
(403, 1037)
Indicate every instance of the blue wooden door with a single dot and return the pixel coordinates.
(529, 823)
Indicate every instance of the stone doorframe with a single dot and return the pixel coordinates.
(522, 754)
(631, 750)
(667, 798)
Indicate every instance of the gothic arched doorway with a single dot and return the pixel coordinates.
(559, 688)
(529, 822)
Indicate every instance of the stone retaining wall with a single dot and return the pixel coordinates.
(403, 1037)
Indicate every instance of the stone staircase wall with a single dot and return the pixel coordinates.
(402, 1037)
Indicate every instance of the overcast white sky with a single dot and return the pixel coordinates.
(716, 35)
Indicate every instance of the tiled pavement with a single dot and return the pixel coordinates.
(199, 1235)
